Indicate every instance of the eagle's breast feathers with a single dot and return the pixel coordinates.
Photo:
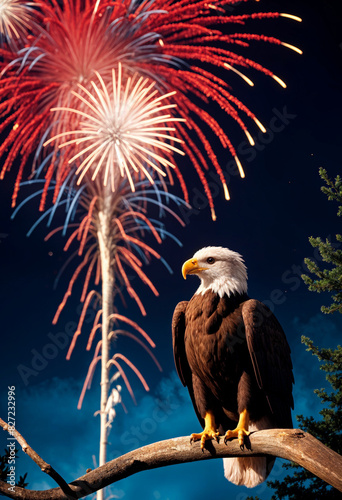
(222, 338)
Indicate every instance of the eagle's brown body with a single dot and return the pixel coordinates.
(232, 355)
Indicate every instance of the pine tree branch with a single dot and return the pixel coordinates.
(291, 444)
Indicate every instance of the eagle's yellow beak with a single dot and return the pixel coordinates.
(191, 267)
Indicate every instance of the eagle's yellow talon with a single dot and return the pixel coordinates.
(236, 433)
(209, 431)
(241, 429)
(204, 436)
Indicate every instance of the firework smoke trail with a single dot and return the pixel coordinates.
(180, 44)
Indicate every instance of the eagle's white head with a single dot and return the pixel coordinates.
(219, 269)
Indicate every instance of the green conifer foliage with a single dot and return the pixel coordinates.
(4, 469)
(328, 279)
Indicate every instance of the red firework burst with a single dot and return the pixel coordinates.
(179, 44)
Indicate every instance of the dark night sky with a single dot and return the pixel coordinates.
(268, 220)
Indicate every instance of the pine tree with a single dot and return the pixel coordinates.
(328, 279)
(302, 484)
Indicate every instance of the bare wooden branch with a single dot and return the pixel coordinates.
(45, 467)
(291, 444)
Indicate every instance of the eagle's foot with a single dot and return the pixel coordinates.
(209, 431)
(241, 429)
(204, 436)
(236, 433)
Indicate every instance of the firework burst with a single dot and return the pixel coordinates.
(17, 19)
(70, 45)
(121, 127)
(183, 46)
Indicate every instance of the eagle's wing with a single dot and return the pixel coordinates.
(181, 362)
(178, 331)
(270, 354)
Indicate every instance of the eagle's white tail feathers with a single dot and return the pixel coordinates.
(249, 471)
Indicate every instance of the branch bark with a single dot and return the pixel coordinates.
(291, 444)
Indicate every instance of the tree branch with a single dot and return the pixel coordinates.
(291, 444)
(45, 467)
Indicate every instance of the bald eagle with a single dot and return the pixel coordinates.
(232, 355)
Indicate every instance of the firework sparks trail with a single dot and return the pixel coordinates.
(129, 226)
(181, 45)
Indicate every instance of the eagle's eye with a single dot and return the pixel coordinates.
(210, 260)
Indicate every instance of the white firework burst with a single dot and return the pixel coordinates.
(16, 19)
(123, 127)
